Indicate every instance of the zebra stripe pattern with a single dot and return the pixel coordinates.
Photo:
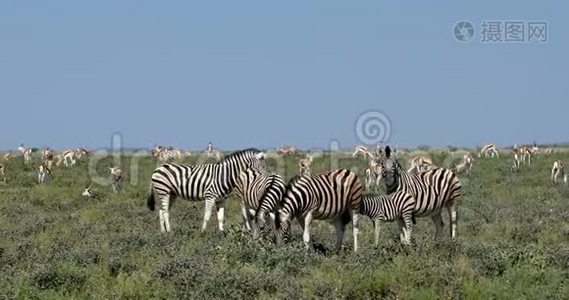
(260, 192)
(211, 183)
(432, 191)
(334, 195)
(397, 206)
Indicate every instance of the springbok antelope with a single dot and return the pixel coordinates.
(420, 164)
(26, 152)
(465, 164)
(44, 171)
(287, 150)
(46, 152)
(215, 154)
(373, 174)
(525, 153)
(489, 150)
(87, 192)
(304, 165)
(515, 162)
(80, 152)
(58, 158)
(116, 178)
(6, 156)
(558, 171)
(364, 151)
(69, 157)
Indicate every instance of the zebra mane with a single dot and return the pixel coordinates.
(264, 198)
(243, 152)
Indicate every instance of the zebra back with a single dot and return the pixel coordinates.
(260, 190)
(199, 181)
(387, 207)
(432, 189)
(326, 195)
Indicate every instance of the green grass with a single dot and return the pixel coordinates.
(513, 243)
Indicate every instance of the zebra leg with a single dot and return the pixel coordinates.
(355, 229)
(220, 205)
(402, 231)
(377, 225)
(209, 203)
(163, 213)
(408, 227)
(451, 209)
(439, 225)
(246, 218)
(305, 222)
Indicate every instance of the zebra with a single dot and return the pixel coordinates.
(260, 192)
(334, 195)
(432, 190)
(398, 206)
(211, 183)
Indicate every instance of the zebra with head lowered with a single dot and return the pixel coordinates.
(211, 183)
(334, 195)
(260, 192)
(433, 190)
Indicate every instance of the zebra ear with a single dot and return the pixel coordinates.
(387, 151)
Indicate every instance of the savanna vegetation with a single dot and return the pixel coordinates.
(513, 242)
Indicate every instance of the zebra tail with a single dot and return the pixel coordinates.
(413, 219)
(150, 201)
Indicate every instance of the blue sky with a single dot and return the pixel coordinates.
(267, 73)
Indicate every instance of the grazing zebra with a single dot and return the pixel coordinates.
(420, 164)
(260, 192)
(489, 150)
(304, 165)
(209, 182)
(432, 191)
(558, 171)
(44, 171)
(335, 195)
(397, 206)
(116, 178)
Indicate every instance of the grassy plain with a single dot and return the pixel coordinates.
(513, 243)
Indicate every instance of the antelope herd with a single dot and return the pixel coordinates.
(372, 174)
